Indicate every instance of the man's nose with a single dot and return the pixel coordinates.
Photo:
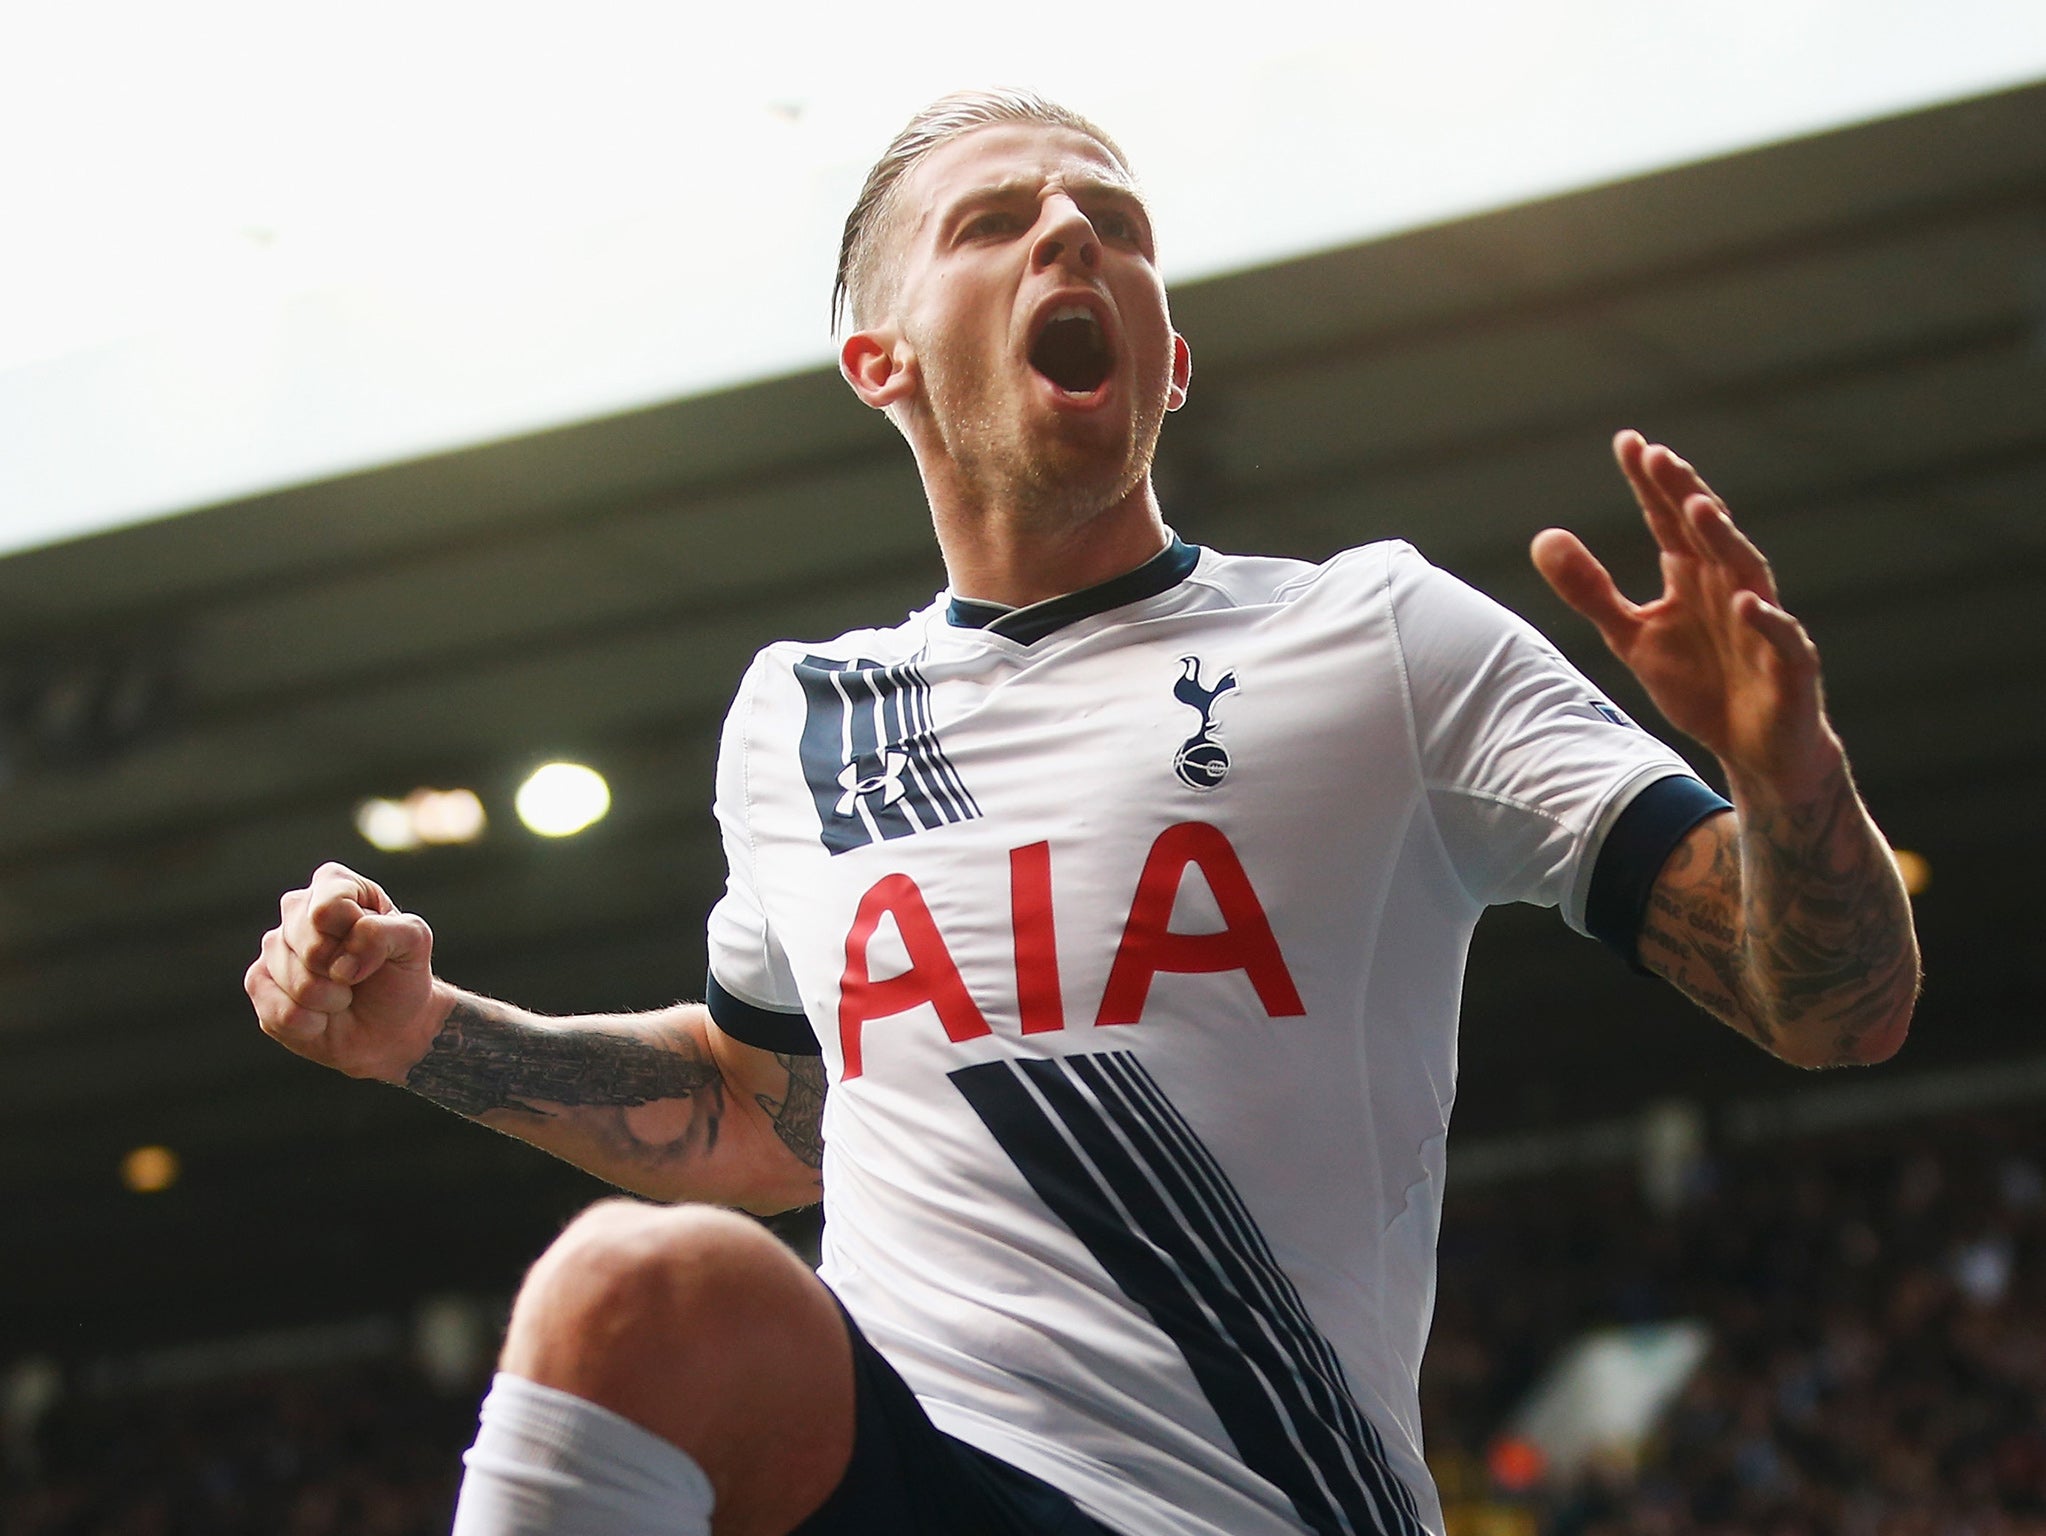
(1066, 235)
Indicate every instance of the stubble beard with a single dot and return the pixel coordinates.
(1048, 479)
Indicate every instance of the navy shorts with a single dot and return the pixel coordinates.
(909, 1478)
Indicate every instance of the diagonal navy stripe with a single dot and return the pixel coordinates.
(1150, 1276)
(1272, 1380)
(1141, 1096)
(1112, 1076)
(1244, 1258)
(1196, 1181)
(1198, 1158)
(1181, 1225)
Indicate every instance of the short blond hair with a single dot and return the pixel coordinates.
(862, 247)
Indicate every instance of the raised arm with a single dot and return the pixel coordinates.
(1787, 919)
(664, 1104)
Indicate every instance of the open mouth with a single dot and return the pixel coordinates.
(1073, 352)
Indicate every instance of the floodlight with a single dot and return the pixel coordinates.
(1915, 869)
(386, 825)
(424, 816)
(446, 815)
(149, 1170)
(561, 799)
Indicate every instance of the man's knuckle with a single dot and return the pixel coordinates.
(281, 1020)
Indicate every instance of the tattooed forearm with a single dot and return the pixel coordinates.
(483, 1060)
(638, 1099)
(1828, 924)
(798, 1115)
(1793, 927)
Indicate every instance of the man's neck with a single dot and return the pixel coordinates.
(1018, 561)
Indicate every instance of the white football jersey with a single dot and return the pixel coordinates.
(1131, 927)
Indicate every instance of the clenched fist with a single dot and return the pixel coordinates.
(346, 979)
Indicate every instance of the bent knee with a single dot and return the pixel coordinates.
(695, 1323)
(677, 1282)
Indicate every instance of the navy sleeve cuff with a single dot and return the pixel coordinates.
(763, 1028)
(1638, 845)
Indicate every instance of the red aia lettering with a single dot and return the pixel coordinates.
(931, 978)
(1245, 943)
(1038, 1002)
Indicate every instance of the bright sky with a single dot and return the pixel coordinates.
(256, 242)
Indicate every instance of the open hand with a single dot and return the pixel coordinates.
(1716, 652)
(346, 979)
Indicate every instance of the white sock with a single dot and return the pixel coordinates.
(549, 1463)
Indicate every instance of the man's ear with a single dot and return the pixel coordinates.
(1182, 373)
(879, 366)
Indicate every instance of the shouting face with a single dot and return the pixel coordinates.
(1022, 339)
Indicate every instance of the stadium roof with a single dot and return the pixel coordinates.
(1844, 330)
(254, 249)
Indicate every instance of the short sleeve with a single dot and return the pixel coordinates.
(1526, 766)
(751, 991)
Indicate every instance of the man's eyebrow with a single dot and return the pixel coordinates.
(996, 192)
(1028, 187)
(1122, 191)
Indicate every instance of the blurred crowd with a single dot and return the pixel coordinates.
(1876, 1301)
(1877, 1304)
(367, 1449)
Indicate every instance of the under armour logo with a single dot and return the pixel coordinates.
(875, 773)
(1201, 762)
(871, 755)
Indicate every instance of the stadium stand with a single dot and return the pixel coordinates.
(1879, 1340)
(1875, 1294)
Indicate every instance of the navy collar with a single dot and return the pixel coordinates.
(1027, 625)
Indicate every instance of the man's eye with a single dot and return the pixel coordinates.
(1113, 225)
(990, 224)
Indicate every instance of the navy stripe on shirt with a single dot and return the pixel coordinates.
(1105, 1151)
(765, 1029)
(1027, 625)
(1629, 861)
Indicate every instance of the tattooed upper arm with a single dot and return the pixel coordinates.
(797, 1115)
